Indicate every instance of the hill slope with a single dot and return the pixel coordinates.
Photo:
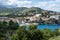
(33, 9)
(12, 11)
(19, 10)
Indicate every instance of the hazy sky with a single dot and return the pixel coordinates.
(44, 4)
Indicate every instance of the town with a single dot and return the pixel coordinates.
(41, 18)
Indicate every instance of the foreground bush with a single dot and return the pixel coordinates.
(33, 33)
(55, 38)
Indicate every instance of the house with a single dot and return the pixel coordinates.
(32, 18)
(38, 15)
(35, 17)
(4, 19)
(55, 16)
(45, 18)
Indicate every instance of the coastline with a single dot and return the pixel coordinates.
(27, 24)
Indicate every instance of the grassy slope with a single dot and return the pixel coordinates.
(11, 11)
(55, 38)
(32, 9)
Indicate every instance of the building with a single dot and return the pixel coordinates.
(35, 17)
(4, 19)
(45, 18)
(55, 16)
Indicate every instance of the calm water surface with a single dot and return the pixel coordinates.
(51, 27)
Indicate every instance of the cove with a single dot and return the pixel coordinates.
(47, 26)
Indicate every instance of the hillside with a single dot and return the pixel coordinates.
(33, 9)
(9, 11)
(19, 10)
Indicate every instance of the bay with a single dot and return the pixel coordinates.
(47, 26)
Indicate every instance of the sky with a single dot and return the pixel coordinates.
(53, 5)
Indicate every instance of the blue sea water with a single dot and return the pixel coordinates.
(47, 26)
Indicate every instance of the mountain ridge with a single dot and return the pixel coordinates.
(18, 10)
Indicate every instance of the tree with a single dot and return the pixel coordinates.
(13, 25)
(3, 26)
(24, 38)
(56, 32)
(46, 34)
(32, 27)
(14, 37)
(31, 34)
(21, 32)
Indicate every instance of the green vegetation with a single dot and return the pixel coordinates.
(33, 10)
(33, 33)
(11, 31)
(6, 27)
(11, 11)
(55, 38)
(20, 11)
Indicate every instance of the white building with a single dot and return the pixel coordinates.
(38, 15)
(35, 18)
(55, 16)
(44, 18)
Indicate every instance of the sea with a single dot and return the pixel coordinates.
(48, 26)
